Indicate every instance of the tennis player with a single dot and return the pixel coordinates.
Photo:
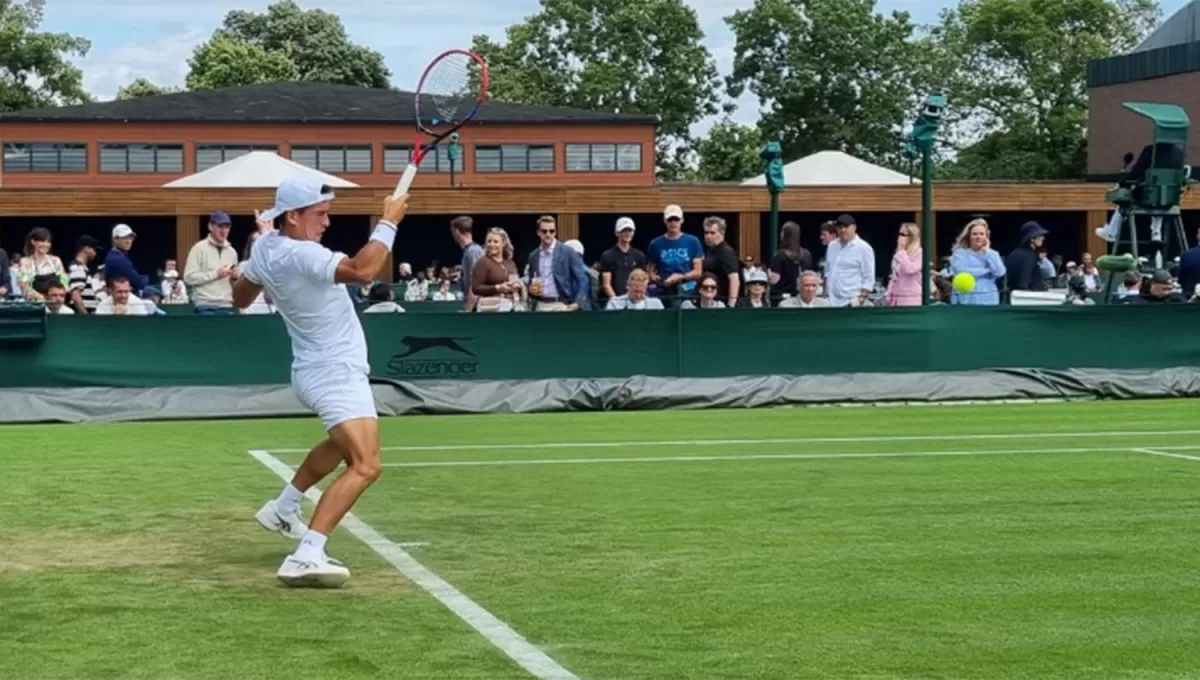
(307, 281)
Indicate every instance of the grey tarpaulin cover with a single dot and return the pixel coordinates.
(91, 404)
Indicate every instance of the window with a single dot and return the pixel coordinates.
(514, 158)
(334, 158)
(604, 158)
(141, 158)
(45, 157)
(396, 157)
(212, 155)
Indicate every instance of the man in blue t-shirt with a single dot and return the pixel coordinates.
(675, 259)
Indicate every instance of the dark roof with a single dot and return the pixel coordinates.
(1134, 67)
(305, 102)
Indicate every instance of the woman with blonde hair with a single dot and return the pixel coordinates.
(904, 288)
(494, 279)
(973, 255)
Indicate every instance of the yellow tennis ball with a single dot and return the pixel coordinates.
(964, 282)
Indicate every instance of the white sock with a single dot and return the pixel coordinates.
(312, 545)
(289, 499)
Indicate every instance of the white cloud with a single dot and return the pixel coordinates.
(163, 61)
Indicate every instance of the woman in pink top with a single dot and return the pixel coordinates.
(904, 288)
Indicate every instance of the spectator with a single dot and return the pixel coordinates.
(558, 278)
(1046, 264)
(417, 289)
(121, 300)
(1077, 292)
(444, 292)
(635, 294)
(807, 298)
(404, 273)
(495, 281)
(593, 276)
(849, 266)
(904, 287)
(83, 290)
(211, 269)
(749, 266)
(721, 260)
(787, 264)
(973, 255)
(382, 301)
(1161, 290)
(118, 264)
(709, 288)
(1091, 275)
(1131, 285)
(173, 290)
(38, 268)
(56, 297)
(1023, 266)
(618, 262)
(263, 303)
(756, 290)
(829, 233)
(941, 290)
(8, 277)
(1069, 271)
(1189, 267)
(675, 259)
(462, 229)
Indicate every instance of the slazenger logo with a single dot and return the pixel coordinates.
(430, 366)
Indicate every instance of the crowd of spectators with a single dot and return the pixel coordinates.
(677, 270)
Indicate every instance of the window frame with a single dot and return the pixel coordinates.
(318, 149)
(616, 156)
(58, 154)
(529, 147)
(155, 147)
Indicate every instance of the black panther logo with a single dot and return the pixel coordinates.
(415, 345)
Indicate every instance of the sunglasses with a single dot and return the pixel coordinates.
(708, 287)
(546, 231)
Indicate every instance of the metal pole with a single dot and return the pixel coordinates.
(774, 241)
(927, 224)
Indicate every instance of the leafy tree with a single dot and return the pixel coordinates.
(729, 153)
(621, 56)
(830, 75)
(226, 61)
(141, 87)
(1017, 78)
(314, 44)
(35, 71)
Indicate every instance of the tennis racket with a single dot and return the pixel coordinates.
(448, 96)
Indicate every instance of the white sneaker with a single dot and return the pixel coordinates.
(290, 525)
(313, 572)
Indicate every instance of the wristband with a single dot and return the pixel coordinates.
(385, 233)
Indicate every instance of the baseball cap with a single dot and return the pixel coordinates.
(122, 230)
(672, 211)
(87, 241)
(220, 217)
(297, 192)
(625, 223)
(1161, 276)
(846, 221)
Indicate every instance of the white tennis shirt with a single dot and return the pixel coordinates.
(318, 313)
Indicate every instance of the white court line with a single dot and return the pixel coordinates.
(529, 657)
(1156, 452)
(763, 456)
(752, 442)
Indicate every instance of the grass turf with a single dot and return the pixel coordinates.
(131, 549)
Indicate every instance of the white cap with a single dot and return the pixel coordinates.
(122, 230)
(297, 192)
(625, 223)
(575, 245)
(672, 211)
(757, 276)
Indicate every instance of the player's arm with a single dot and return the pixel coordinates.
(370, 259)
(245, 291)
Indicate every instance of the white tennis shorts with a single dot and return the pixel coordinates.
(336, 393)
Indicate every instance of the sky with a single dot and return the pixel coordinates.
(154, 38)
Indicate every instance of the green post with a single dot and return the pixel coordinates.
(924, 132)
(452, 152)
(772, 155)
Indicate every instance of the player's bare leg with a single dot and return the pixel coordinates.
(309, 565)
(282, 514)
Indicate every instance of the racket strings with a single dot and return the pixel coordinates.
(450, 85)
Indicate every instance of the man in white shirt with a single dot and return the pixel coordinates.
(307, 283)
(56, 297)
(121, 301)
(849, 266)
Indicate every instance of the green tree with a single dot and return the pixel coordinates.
(35, 70)
(314, 42)
(621, 56)
(226, 61)
(729, 153)
(830, 75)
(1016, 72)
(142, 87)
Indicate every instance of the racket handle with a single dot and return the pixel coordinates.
(406, 180)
